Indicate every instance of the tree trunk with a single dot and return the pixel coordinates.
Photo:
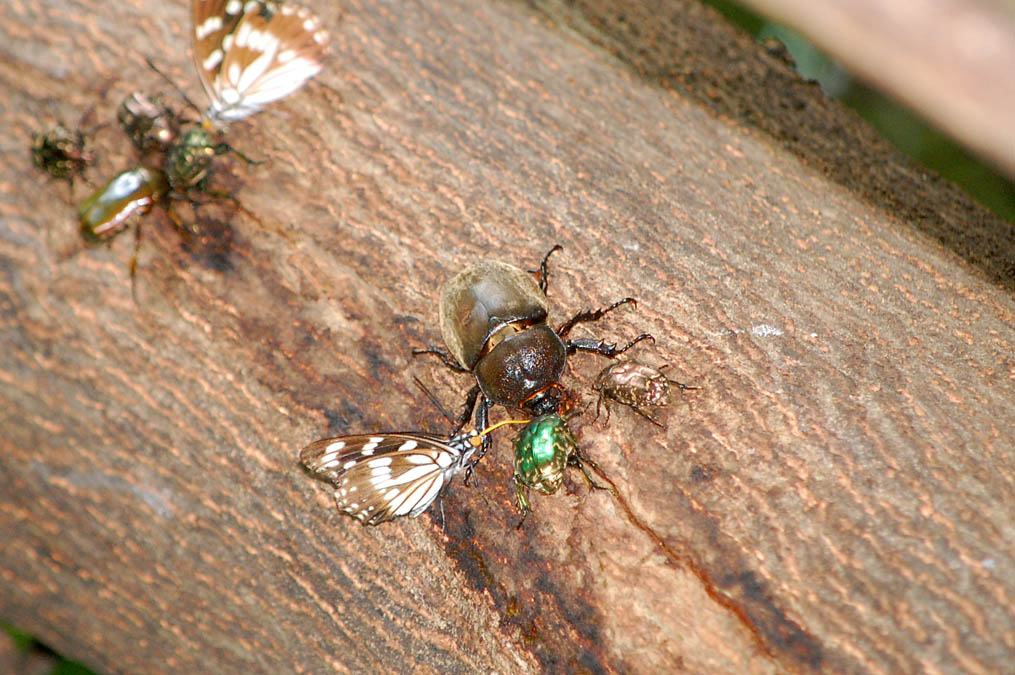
(837, 496)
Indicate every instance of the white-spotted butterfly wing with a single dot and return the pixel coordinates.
(251, 53)
(379, 477)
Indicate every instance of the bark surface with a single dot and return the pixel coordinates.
(837, 497)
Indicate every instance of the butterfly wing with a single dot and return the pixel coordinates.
(249, 54)
(211, 21)
(383, 476)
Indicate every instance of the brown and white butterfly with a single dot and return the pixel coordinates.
(250, 53)
(378, 477)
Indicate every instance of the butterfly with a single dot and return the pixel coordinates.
(251, 53)
(379, 477)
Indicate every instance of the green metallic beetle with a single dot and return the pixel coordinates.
(189, 158)
(121, 202)
(543, 449)
(132, 193)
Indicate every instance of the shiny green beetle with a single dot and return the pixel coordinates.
(543, 449)
(121, 201)
(189, 158)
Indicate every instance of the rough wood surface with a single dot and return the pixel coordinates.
(837, 497)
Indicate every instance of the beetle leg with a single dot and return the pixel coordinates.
(681, 386)
(544, 278)
(522, 498)
(223, 148)
(443, 356)
(133, 261)
(579, 460)
(591, 315)
(482, 416)
(602, 347)
(606, 404)
(470, 406)
(222, 194)
(482, 422)
(650, 418)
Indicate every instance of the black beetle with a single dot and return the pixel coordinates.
(493, 318)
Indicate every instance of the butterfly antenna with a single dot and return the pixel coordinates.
(173, 84)
(433, 399)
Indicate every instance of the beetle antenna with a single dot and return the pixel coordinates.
(172, 84)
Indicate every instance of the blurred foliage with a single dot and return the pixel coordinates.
(899, 125)
(26, 644)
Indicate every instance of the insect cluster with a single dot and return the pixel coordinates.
(494, 321)
(494, 317)
(247, 54)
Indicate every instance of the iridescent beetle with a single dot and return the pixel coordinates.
(121, 202)
(189, 159)
(61, 153)
(543, 450)
(635, 385)
(379, 477)
(493, 318)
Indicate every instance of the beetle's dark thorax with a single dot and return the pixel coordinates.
(521, 365)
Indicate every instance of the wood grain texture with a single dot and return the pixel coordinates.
(837, 497)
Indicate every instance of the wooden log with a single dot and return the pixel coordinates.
(836, 497)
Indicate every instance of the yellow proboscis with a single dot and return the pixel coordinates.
(478, 438)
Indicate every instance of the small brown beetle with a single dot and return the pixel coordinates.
(635, 385)
(150, 125)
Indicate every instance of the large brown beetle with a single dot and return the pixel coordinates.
(493, 319)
